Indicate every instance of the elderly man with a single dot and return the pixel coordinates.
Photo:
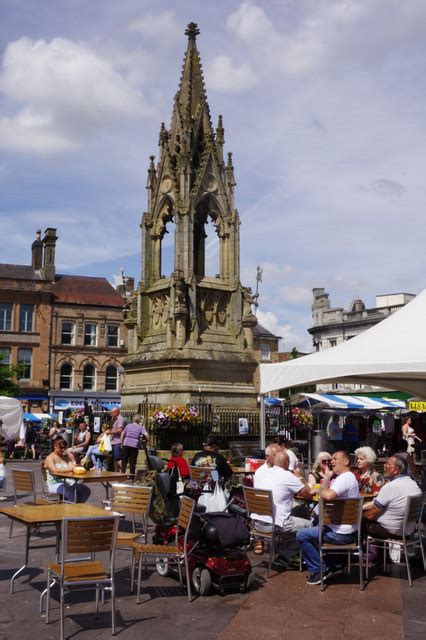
(210, 456)
(262, 471)
(339, 482)
(285, 486)
(81, 442)
(117, 428)
(385, 514)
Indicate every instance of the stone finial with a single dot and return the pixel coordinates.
(164, 135)
(220, 132)
(192, 31)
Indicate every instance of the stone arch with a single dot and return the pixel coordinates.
(208, 242)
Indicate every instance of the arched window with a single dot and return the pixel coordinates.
(89, 377)
(65, 376)
(206, 241)
(167, 248)
(111, 378)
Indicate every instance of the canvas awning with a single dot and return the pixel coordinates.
(349, 402)
(392, 354)
(11, 417)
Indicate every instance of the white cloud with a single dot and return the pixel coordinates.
(163, 26)
(289, 336)
(295, 295)
(223, 75)
(67, 93)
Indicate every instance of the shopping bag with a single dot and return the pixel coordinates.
(217, 500)
(105, 445)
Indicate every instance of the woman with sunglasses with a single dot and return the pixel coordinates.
(57, 461)
(319, 468)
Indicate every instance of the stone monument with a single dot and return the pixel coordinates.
(190, 336)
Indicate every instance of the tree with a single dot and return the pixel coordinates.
(8, 377)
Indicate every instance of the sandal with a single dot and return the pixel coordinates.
(259, 548)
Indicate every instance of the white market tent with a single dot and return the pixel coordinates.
(11, 413)
(391, 354)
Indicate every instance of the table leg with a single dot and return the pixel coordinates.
(24, 566)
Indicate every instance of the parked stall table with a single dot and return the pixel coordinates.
(33, 516)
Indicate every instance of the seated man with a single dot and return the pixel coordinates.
(339, 482)
(284, 444)
(262, 471)
(385, 514)
(210, 457)
(81, 442)
(285, 486)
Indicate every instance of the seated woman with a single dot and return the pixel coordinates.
(177, 460)
(96, 450)
(369, 480)
(319, 468)
(57, 460)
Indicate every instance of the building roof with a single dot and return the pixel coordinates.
(85, 290)
(259, 331)
(19, 272)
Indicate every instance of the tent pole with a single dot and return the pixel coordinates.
(262, 440)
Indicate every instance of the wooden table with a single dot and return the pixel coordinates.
(242, 470)
(32, 516)
(94, 475)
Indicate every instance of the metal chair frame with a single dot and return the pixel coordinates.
(90, 536)
(413, 514)
(336, 512)
(177, 553)
(133, 500)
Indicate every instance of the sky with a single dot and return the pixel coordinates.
(323, 104)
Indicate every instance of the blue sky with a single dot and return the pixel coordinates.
(323, 104)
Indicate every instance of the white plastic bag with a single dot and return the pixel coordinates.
(105, 445)
(217, 501)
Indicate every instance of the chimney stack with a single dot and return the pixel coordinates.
(37, 252)
(49, 242)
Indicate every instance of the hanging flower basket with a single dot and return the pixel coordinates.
(176, 417)
(300, 418)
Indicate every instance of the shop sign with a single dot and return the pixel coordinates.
(416, 405)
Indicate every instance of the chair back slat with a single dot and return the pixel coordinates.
(185, 514)
(258, 501)
(414, 509)
(339, 511)
(200, 473)
(131, 499)
(23, 481)
(89, 535)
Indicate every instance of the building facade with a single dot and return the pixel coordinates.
(65, 331)
(334, 325)
(189, 329)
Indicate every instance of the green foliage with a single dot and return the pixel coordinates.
(8, 377)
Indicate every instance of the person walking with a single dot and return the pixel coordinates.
(131, 437)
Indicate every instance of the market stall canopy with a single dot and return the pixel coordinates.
(392, 354)
(11, 416)
(274, 402)
(347, 402)
(37, 417)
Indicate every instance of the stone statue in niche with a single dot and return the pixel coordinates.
(209, 307)
(164, 310)
(221, 314)
(156, 311)
(248, 301)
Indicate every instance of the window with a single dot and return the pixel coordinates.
(5, 316)
(24, 360)
(26, 316)
(89, 375)
(67, 332)
(112, 335)
(65, 376)
(90, 334)
(111, 376)
(332, 342)
(265, 352)
(4, 355)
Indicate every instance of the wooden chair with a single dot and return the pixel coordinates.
(411, 537)
(24, 484)
(84, 536)
(135, 501)
(338, 512)
(177, 552)
(200, 474)
(259, 502)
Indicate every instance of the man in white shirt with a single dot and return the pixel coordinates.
(285, 486)
(339, 482)
(385, 515)
(263, 471)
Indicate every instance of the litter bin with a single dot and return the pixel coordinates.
(68, 437)
(319, 443)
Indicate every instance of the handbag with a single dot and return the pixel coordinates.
(180, 485)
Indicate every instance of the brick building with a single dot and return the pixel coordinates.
(65, 331)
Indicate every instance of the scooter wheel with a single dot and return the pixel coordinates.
(202, 581)
(162, 566)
